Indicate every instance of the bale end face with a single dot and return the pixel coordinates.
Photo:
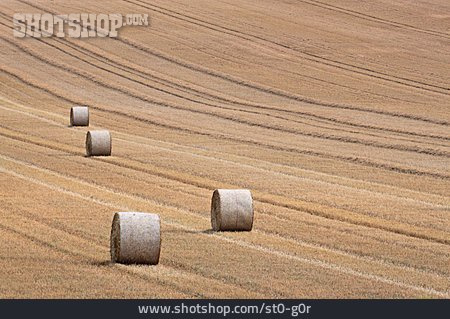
(232, 210)
(135, 238)
(98, 143)
(79, 116)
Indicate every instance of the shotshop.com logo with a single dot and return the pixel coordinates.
(74, 25)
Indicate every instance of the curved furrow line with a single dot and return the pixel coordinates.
(413, 149)
(190, 90)
(368, 17)
(316, 58)
(369, 259)
(321, 119)
(357, 255)
(324, 136)
(296, 132)
(238, 59)
(374, 18)
(46, 244)
(258, 87)
(307, 56)
(274, 91)
(144, 98)
(349, 159)
(147, 121)
(348, 217)
(149, 76)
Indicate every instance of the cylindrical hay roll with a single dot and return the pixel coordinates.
(135, 238)
(79, 116)
(98, 143)
(232, 209)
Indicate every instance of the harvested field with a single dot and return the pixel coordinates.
(335, 114)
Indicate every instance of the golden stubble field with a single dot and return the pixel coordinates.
(336, 114)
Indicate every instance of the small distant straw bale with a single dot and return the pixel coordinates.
(79, 116)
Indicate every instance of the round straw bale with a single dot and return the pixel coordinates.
(79, 116)
(135, 238)
(232, 209)
(98, 143)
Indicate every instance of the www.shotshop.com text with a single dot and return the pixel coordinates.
(278, 308)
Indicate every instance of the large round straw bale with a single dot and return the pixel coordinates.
(232, 209)
(98, 143)
(135, 238)
(79, 116)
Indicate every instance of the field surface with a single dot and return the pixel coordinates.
(336, 114)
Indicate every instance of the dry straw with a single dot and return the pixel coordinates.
(135, 238)
(98, 143)
(232, 209)
(79, 116)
